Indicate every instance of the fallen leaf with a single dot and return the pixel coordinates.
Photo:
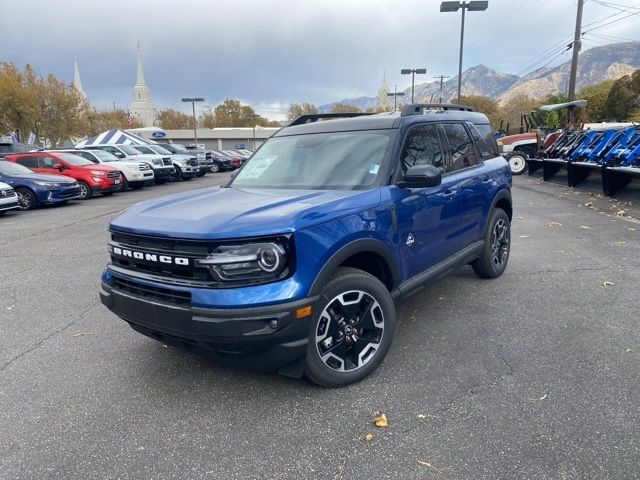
(422, 416)
(621, 243)
(381, 420)
(165, 346)
(544, 397)
(584, 226)
(632, 229)
(81, 334)
(10, 307)
(520, 218)
(628, 350)
(588, 204)
(554, 224)
(524, 236)
(607, 284)
(620, 213)
(427, 464)
(368, 437)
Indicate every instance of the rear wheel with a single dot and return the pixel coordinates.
(136, 185)
(215, 168)
(352, 330)
(517, 163)
(26, 199)
(85, 191)
(497, 246)
(178, 175)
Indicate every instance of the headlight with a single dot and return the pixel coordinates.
(47, 184)
(253, 262)
(98, 173)
(184, 163)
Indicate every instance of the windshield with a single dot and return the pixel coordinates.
(75, 159)
(9, 168)
(129, 150)
(321, 161)
(104, 156)
(159, 149)
(177, 148)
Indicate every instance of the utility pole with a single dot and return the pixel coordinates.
(577, 45)
(441, 77)
(412, 72)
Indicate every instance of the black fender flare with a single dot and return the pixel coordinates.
(502, 194)
(350, 249)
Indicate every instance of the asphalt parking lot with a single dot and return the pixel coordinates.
(532, 375)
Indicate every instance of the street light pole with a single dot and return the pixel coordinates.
(473, 6)
(413, 71)
(193, 108)
(395, 95)
(441, 77)
(253, 117)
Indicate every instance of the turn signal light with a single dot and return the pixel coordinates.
(303, 312)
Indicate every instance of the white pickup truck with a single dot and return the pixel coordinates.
(8, 198)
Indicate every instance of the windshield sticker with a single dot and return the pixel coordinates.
(257, 166)
(374, 169)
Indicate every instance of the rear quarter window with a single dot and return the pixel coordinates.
(488, 143)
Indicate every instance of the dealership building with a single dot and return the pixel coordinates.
(211, 138)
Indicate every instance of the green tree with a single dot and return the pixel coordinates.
(596, 96)
(232, 113)
(624, 97)
(208, 118)
(297, 109)
(102, 120)
(518, 105)
(171, 119)
(344, 108)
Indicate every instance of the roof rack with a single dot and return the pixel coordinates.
(418, 108)
(314, 117)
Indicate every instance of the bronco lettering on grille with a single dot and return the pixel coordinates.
(150, 257)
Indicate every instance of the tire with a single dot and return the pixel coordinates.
(178, 175)
(159, 181)
(27, 200)
(349, 293)
(85, 191)
(215, 168)
(136, 185)
(125, 184)
(518, 163)
(497, 246)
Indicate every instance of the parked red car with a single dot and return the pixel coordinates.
(92, 178)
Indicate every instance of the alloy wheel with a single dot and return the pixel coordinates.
(500, 243)
(349, 331)
(84, 191)
(24, 200)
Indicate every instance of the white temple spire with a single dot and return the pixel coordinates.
(76, 78)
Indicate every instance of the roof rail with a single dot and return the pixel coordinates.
(417, 108)
(314, 117)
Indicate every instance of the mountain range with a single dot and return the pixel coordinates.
(595, 65)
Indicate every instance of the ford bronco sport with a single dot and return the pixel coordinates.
(294, 265)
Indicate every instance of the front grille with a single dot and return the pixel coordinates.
(70, 192)
(166, 160)
(113, 175)
(166, 295)
(7, 192)
(208, 156)
(143, 167)
(193, 162)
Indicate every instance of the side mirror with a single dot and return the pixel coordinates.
(421, 176)
(119, 154)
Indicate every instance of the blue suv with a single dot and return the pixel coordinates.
(296, 264)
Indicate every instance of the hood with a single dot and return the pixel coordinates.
(43, 177)
(100, 166)
(216, 213)
(181, 156)
(4, 186)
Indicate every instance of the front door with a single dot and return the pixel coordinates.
(428, 218)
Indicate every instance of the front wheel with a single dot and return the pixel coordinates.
(26, 199)
(136, 185)
(85, 191)
(518, 163)
(352, 330)
(497, 246)
(215, 168)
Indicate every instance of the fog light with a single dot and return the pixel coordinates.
(273, 324)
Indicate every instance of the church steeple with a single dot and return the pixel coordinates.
(142, 107)
(140, 72)
(76, 78)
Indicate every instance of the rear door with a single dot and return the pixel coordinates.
(427, 217)
(473, 180)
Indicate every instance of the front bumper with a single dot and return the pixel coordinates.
(265, 338)
(163, 173)
(50, 197)
(9, 205)
(139, 176)
(107, 187)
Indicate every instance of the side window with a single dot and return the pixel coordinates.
(46, 162)
(422, 147)
(489, 139)
(29, 162)
(463, 154)
(87, 156)
(112, 150)
(481, 144)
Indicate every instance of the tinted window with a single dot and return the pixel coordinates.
(9, 168)
(489, 139)
(46, 162)
(422, 147)
(29, 162)
(463, 153)
(75, 159)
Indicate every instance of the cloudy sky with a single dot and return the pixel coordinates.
(270, 53)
